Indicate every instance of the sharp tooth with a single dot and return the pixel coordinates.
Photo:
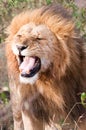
(23, 57)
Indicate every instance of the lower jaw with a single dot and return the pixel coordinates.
(29, 80)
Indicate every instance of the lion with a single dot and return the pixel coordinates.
(46, 60)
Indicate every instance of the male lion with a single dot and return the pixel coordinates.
(46, 68)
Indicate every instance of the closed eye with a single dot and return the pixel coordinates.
(40, 38)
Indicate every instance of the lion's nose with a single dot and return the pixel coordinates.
(21, 48)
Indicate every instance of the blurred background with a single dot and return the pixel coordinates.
(10, 8)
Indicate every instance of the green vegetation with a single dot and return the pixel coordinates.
(83, 99)
(79, 16)
(4, 97)
(10, 8)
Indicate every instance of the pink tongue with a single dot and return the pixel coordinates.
(27, 65)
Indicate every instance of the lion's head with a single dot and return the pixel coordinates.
(34, 48)
(39, 43)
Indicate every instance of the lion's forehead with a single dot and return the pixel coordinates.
(31, 30)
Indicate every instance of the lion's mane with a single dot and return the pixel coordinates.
(62, 84)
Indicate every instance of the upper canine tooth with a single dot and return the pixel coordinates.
(17, 57)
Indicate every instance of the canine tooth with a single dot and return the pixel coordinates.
(18, 60)
(23, 57)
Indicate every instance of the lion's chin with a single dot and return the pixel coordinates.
(30, 80)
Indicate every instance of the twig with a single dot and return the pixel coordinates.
(78, 103)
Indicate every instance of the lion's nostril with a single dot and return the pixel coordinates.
(20, 48)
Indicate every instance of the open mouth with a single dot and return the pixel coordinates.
(29, 66)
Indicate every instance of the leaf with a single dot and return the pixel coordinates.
(83, 99)
(48, 2)
(4, 97)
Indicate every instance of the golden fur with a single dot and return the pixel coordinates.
(62, 77)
